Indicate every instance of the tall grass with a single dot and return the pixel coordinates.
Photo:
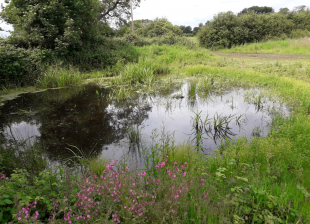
(58, 76)
(143, 72)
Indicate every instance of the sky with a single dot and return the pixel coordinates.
(193, 12)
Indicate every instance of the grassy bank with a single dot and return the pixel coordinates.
(263, 181)
(290, 46)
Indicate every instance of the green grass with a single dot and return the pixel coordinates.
(295, 46)
(59, 76)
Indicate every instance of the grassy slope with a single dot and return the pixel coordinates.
(300, 46)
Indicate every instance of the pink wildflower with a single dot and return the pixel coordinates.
(184, 174)
(2, 176)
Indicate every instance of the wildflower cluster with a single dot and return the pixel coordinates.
(122, 196)
(24, 214)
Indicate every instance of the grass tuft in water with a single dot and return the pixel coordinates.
(58, 76)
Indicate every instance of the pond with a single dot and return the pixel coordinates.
(86, 118)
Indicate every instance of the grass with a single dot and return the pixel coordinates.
(295, 46)
(60, 77)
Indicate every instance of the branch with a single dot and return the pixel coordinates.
(111, 9)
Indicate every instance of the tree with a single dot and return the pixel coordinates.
(299, 9)
(188, 29)
(284, 10)
(182, 28)
(63, 25)
(257, 10)
(157, 28)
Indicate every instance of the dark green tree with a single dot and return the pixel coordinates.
(284, 10)
(188, 29)
(63, 25)
(257, 10)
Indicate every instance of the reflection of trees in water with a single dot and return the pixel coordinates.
(85, 120)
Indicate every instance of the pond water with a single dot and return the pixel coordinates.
(85, 118)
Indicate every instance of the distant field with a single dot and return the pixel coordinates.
(299, 46)
(193, 39)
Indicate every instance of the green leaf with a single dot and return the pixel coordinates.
(243, 178)
(8, 201)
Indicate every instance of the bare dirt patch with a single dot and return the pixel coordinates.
(268, 56)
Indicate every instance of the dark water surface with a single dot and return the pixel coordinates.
(84, 117)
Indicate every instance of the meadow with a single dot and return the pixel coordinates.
(262, 181)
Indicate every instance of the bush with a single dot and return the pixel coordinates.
(19, 66)
(168, 39)
(227, 29)
(148, 28)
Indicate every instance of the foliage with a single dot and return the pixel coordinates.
(227, 30)
(72, 32)
(45, 192)
(19, 66)
(257, 10)
(168, 39)
(64, 26)
(186, 29)
(46, 69)
(157, 28)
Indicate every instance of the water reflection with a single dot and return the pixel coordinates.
(85, 118)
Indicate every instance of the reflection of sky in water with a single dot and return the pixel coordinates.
(72, 121)
(176, 117)
(22, 130)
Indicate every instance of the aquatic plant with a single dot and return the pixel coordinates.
(59, 76)
(134, 134)
(192, 89)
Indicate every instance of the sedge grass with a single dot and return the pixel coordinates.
(58, 76)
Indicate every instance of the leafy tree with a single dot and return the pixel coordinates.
(157, 28)
(182, 28)
(188, 29)
(257, 10)
(284, 10)
(63, 25)
(196, 29)
(299, 9)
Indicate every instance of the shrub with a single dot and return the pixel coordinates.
(19, 66)
(227, 29)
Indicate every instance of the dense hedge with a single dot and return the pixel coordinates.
(22, 66)
(227, 29)
(169, 39)
(18, 65)
(147, 28)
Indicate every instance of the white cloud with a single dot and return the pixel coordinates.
(181, 12)
(4, 25)
(193, 12)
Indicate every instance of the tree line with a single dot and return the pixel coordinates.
(253, 25)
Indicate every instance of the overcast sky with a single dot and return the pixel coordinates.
(193, 12)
